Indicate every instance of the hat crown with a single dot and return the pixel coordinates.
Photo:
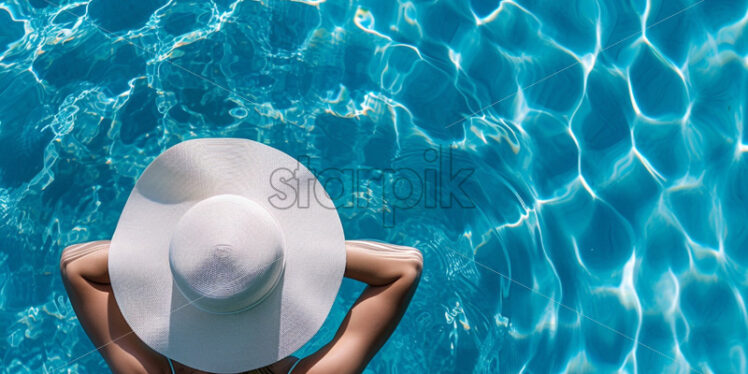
(226, 254)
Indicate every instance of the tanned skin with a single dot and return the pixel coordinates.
(392, 273)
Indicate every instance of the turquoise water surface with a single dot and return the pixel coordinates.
(575, 172)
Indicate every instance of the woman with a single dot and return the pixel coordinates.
(391, 272)
(210, 268)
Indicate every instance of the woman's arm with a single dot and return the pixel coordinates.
(392, 273)
(86, 279)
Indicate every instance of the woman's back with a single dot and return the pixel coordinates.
(284, 366)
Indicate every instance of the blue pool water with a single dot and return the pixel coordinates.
(582, 164)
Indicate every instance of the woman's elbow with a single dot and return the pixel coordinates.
(68, 266)
(65, 260)
(414, 264)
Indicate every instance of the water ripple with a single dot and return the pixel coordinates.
(603, 227)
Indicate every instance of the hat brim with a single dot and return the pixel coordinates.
(142, 280)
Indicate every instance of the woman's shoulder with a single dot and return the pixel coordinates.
(284, 366)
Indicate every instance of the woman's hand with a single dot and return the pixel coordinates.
(393, 273)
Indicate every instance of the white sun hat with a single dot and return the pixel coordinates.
(228, 255)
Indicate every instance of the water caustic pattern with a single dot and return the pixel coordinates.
(603, 224)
